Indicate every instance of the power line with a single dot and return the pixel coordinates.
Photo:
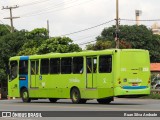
(33, 3)
(50, 10)
(52, 6)
(85, 37)
(140, 20)
(87, 42)
(87, 28)
(122, 20)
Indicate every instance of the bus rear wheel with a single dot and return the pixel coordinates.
(76, 97)
(25, 96)
(53, 100)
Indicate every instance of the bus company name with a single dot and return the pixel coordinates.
(75, 80)
(137, 80)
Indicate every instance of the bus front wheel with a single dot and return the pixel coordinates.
(25, 96)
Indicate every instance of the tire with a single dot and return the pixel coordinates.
(25, 96)
(53, 100)
(76, 97)
(104, 101)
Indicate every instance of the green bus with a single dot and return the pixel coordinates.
(80, 76)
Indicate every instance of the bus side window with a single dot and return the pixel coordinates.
(13, 70)
(23, 67)
(33, 70)
(77, 65)
(89, 65)
(94, 65)
(105, 64)
(66, 65)
(55, 66)
(44, 66)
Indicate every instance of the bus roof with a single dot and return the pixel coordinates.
(83, 53)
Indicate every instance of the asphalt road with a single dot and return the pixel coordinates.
(119, 104)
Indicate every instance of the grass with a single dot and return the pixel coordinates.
(152, 96)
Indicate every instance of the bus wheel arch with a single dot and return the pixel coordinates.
(25, 95)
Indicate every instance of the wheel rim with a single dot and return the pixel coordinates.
(25, 95)
(75, 96)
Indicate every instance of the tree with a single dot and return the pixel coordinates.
(100, 45)
(59, 45)
(30, 47)
(37, 34)
(10, 46)
(34, 40)
(137, 37)
(4, 30)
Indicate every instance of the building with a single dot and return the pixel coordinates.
(155, 68)
(156, 28)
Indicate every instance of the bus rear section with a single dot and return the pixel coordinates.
(133, 76)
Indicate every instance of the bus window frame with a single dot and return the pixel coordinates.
(80, 71)
(59, 65)
(24, 67)
(111, 64)
(63, 67)
(41, 68)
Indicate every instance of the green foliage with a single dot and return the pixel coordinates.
(2, 74)
(37, 34)
(28, 51)
(34, 40)
(10, 46)
(4, 29)
(59, 45)
(55, 44)
(29, 43)
(100, 45)
(138, 37)
(30, 47)
(152, 96)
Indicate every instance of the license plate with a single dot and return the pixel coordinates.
(134, 84)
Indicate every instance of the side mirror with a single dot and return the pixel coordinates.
(8, 71)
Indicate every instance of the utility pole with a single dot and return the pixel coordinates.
(11, 17)
(48, 28)
(117, 25)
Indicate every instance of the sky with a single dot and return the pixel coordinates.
(68, 16)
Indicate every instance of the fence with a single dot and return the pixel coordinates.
(155, 91)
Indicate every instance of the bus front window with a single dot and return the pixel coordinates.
(13, 70)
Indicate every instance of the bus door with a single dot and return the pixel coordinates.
(13, 83)
(34, 73)
(91, 69)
